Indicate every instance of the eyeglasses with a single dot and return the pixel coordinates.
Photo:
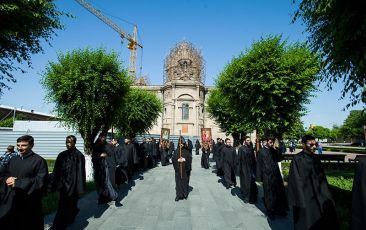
(311, 145)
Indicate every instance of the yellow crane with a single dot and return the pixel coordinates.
(132, 39)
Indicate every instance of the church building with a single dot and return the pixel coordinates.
(184, 94)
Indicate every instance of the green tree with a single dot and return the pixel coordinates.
(23, 25)
(86, 87)
(269, 84)
(296, 130)
(337, 31)
(319, 132)
(353, 125)
(219, 108)
(335, 133)
(140, 111)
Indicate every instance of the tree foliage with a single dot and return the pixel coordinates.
(23, 25)
(219, 108)
(269, 84)
(140, 111)
(338, 33)
(86, 87)
(319, 132)
(353, 125)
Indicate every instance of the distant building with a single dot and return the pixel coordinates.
(184, 94)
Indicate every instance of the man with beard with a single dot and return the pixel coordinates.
(22, 185)
(70, 180)
(247, 169)
(269, 173)
(182, 162)
(218, 156)
(229, 156)
(131, 154)
(104, 164)
(308, 191)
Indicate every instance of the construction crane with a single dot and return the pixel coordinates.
(132, 39)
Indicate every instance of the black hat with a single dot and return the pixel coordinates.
(182, 140)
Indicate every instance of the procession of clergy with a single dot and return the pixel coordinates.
(24, 179)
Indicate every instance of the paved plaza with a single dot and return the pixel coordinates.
(148, 203)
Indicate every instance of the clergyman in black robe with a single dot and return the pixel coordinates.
(131, 153)
(182, 162)
(268, 172)
(247, 171)
(23, 184)
(205, 163)
(358, 220)
(164, 152)
(308, 192)
(69, 178)
(218, 157)
(229, 162)
(104, 164)
(189, 146)
(197, 147)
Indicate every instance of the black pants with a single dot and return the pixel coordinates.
(67, 210)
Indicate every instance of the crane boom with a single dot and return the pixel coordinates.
(131, 38)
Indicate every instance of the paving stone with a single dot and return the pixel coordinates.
(148, 204)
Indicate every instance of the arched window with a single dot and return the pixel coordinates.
(185, 111)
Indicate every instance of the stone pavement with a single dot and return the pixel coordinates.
(148, 203)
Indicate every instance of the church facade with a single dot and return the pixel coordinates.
(184, 94)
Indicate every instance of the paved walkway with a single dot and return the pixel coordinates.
(148, 203)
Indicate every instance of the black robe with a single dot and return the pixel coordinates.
(104, 172)
(205, 158)
(131, 152)
(21, 206)
(189, 146)
(197, 147)
(268, 172)
(171, 149)
(229, 159)
(247, 171)
(308, 193)
(358, 220)
(70, 180)
(219, 158)
(182, 172)
(164, 156)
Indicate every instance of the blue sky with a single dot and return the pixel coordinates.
(222, 29)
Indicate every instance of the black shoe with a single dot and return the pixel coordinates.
(176, 199)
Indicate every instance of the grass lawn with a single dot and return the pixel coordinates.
(50, 201)
(340, 179)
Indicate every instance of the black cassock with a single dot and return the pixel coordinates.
(104, 172)
(21, 206)
(358, 220)
(164, 156)
(229, 157)
(205, 158)
(189, 146)
(122, 163)
(182, 172)
(308, 193)
(197, 147)
(247, 171)
(218, 157)
(69, 178)
(269, 173)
